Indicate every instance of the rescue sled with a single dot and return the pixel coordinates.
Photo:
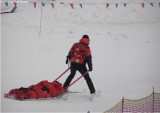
(41, 90)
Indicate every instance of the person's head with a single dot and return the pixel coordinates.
(86, 36)
(85, 40)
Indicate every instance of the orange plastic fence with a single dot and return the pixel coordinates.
(147, 104)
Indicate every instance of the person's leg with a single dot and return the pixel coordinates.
(70, 77)
(89, 82)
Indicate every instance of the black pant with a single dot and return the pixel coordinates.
(82, 69)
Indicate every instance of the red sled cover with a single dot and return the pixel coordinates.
(43, 89)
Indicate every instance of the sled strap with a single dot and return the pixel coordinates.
(62, 74)
(77, 79)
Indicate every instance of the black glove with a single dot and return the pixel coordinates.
(90, 69)
(67, 58)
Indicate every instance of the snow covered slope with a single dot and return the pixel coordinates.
(125, 46)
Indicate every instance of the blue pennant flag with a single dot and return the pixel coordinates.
(151, 4)
(80, 5)
(43, 4)
(6, 4)
(116, 5)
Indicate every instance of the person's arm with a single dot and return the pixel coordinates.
(89, 62)
(89, 59)
(69, 55)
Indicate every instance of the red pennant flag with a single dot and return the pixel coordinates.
(107, 5)
(143, 5)
(125, 4)
(34, 4)
(15, 4)
(71, 4)
(52, 4)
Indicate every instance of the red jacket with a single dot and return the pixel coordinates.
(88, 56)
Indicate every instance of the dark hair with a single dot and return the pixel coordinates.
(86, 36)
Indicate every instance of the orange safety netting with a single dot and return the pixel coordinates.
(150, 103)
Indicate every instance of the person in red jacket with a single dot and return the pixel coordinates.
(80, 55)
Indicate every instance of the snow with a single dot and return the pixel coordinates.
(125, 46)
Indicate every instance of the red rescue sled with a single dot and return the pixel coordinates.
(41, 90)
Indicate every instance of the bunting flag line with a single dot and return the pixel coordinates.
(107, 5)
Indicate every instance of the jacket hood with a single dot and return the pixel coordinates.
(84, 41)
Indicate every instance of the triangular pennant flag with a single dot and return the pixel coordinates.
(80, 5)
(52, 4)
(143, 5)
(34, 4)
(43, 4)
(71, 4)
(15, 4)
(125, 4)
(6, 3)
(151, 4)
(107, 5)
(116, 5)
